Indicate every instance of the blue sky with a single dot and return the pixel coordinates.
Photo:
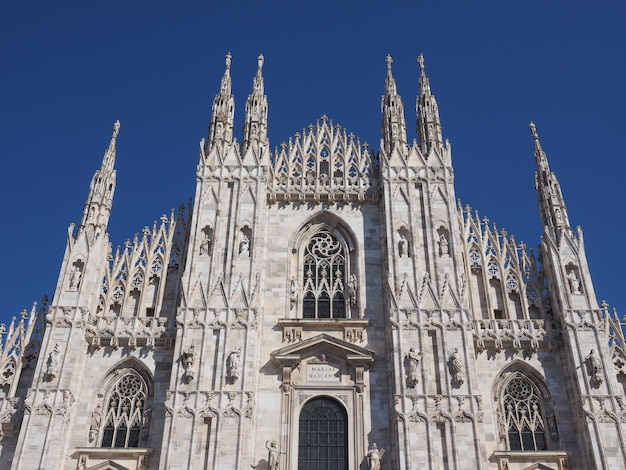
(70, 69)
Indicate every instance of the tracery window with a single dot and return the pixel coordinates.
(323, 435)
(324, 274)
(522, 415)
(124, 415)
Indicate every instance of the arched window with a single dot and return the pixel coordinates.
(323, 435)
(325, 283)
(523, 420)
(125, 412)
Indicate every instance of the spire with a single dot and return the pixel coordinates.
(255, 125)
(223, 111)
(393, 123)
(552, 210)
(428, 123)
(100, 198)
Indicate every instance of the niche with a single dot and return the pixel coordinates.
(206, 241)
(573, 278)
(245, 241)
(443, 241)
(404, 246)
(76, 274)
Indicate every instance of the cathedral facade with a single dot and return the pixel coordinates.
(323, 306)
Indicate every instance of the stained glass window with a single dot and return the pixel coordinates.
(522, 415)
(324, 278)
(124, 413)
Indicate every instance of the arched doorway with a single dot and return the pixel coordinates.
(323, 435)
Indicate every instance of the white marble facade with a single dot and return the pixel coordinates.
(328, 305)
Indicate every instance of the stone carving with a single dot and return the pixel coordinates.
(374, 456)
(456, 366)
(353, 288)
(272, 455)
(594, 365)
(403, 247)
(52, 363)
(554, 433)
(292, 334)
(233, 364)
(205, 244)
(574, 282)
(411, 363)
(96, 421)
(75, 278)
(293, 292)
(187, 359)
(244, 246)
(145, 423)
(444, 249)
(64, 409)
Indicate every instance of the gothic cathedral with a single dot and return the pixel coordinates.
(326, 305)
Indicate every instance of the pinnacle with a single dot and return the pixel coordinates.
(420, 61)
(228, 60)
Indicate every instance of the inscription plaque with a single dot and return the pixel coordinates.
(322, 373)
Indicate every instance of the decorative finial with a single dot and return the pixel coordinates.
(228, 58)
(533, 130)
(116, 129)
(259, 62)
(420, 61)
(389, 61)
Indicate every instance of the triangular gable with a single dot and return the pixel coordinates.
(539, 466)
(108, 465)
(294, 353)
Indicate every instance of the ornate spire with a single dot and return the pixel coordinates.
(552, 210)
(428, 124)
(393, 123)
(108, 161)
(255, 125)
(100, 198)
(223, 112)
(390, 83)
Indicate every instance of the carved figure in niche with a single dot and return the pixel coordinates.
(187, 359)
(272, 455)
(457, 367)
(96, 421)
(244, 246)
(557, 212)
(233, 364)
(412, 362)
(293, 292)
(374, 456)
(145, 422)
(444, 248)
(52, 363)
(595, 366)
(75, 278)
(574, 282)
(205, 244)
(554, 434)
(352, 289)
(403, 246)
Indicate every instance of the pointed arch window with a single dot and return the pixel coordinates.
(523, 418)
(325, 277)
(124, 416)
